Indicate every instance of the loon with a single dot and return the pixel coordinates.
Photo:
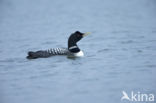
(72, 51)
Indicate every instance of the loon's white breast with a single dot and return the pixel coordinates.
(79, 54)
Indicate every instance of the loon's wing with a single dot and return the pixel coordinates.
(47, 53)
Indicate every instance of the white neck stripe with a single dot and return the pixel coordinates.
(73, 47)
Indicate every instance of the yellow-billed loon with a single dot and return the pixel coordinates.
(72, 51)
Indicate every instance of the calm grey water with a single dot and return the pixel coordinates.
(120, 54)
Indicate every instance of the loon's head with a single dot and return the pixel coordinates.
(73, 39)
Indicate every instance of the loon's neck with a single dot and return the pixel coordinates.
(73, 48)
(72, 44)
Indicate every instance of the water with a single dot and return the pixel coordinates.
(119, 54)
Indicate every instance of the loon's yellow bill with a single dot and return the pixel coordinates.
(85, 34)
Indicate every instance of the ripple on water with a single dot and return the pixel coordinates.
(9, 60)
(127, 42)
(151, 66)
(91, 55)
(49, 42)
(103, 50)
(139, 51)
(13, 60)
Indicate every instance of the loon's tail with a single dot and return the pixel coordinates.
(47, 53)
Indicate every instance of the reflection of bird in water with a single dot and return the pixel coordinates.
(72, 51)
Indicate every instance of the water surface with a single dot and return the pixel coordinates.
(119, 54)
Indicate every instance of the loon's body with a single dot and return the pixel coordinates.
(72, 51)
